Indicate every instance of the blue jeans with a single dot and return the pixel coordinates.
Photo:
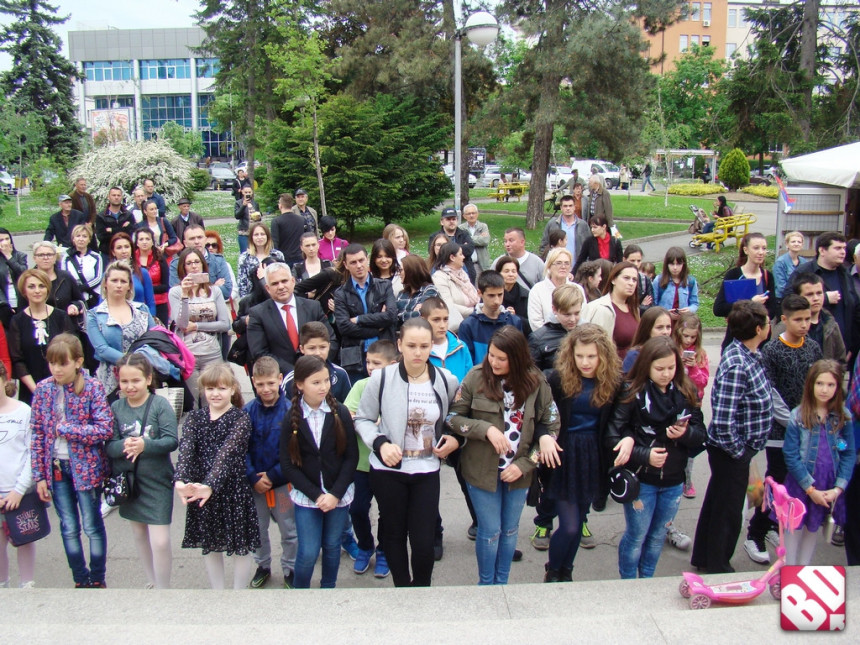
(243, 242)
(647, 516)
(498, 524)
(67, 501)
(318, 530)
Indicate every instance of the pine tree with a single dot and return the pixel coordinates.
(40, 79)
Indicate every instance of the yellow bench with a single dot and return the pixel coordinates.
(735, 226)
(505, 191)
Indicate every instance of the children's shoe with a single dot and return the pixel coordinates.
(518, 555)
(438, 548)
(362, 561)
(677, 538)
(30, 584)
(599, 504)
(689, 491)
(757, 551)
(587, 539)
(380, 569)
(107, 509)
(472, 532)
(838, 538)
(97, 585)
(260, 577)
(350, 547)
(772, 536)
(288, 580)
(541, 537)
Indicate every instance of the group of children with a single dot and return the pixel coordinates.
(292, 454)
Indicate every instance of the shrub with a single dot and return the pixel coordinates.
(260, 175)
(47, 180)
(735, 169)
(128, 163)
(762, 191)
(695, 189)
(200, 179)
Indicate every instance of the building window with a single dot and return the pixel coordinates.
(158, 110)
(733, 18)
(694, 40)
(684, 43)
(207, 67)
(163, 69)
(203, 120)
(695, 10)
(730, 49)
(706, 11)
(706, 41)
(107, 70)
(115, 102)
(742, 18)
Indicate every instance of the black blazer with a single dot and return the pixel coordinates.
(267, 334)
(337, 470)
(591, 251)
(62, 232)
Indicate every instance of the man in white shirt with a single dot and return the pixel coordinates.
(531, 266)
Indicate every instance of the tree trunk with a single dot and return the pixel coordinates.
(251, 86)
(319, 165)
(808, 46)
(540, 166)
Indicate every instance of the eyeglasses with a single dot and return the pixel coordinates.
(212, 245)
(45, 255)
(192, 262)
(560, 263)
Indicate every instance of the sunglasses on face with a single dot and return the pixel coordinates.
(212, 245)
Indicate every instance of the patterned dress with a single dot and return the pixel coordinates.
(213, 453)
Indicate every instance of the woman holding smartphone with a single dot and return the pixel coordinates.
(200, 313)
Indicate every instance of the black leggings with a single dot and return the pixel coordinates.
(565, 541)
(408, 506)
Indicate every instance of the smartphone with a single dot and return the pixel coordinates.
(683, 419)
(200, 278)
(688, 353)
(440, 443)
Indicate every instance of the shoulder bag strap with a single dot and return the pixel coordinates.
(142, 430)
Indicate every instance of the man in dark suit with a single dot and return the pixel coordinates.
(273, 330)
(61, 223)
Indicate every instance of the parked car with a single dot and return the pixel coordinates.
(557, 174)
(609, 171)
(222, 176)
(448, 169)
(492, 175)
(244, 165)
(7, 183)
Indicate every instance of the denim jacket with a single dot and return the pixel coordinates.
(801, 449)
(688, 296)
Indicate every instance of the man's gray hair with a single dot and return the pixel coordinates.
(275, 266)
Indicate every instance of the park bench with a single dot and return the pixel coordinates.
(504, 192)
(735, 226)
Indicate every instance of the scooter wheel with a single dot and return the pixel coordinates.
(684, 588)
(700, 601)
(775, 589)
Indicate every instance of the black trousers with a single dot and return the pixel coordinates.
(761, 523)
(545, 509)
(408, 506)
(721, 516)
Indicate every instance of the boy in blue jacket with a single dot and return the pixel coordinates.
(263, 470)
(314, 341)
(448, 351)
(477, 330)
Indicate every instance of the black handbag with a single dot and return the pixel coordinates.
(121, 488)
(623, 485)
(27, 523)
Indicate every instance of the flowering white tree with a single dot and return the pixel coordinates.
(128, 163)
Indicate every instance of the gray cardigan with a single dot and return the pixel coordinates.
(389, 409)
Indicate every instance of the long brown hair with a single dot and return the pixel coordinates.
(674, 253)
(745, 241)
(132, 261)
(415, 274)
(181, 271)
(633, 300)
(607, 377)
(304, 368)
(808, 405)
(66, 348)
(646, 325)
(523, 377)
(654, 349)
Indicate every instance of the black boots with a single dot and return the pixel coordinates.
(557, 575)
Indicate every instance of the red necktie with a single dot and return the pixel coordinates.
(292, 332)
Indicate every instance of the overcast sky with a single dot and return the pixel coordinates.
(117, 14)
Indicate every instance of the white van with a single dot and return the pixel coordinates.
(588, 167)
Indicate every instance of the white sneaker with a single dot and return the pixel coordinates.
(677, 538)
(107, 509)
(28, 585)
(772, 537)
(757, 552)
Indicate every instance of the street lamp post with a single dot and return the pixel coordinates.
(481, 29)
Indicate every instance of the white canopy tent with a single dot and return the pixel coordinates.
(838, 166)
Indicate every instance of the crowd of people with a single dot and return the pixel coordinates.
(531, 376)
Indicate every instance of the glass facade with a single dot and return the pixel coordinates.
(107, 70)
(116, 102)
(158, 110)
(207, 67)
(164, 69)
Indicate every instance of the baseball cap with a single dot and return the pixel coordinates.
(301, 191)
(63, 198)
(448, 212)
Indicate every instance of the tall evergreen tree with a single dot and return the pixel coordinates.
(40, 79)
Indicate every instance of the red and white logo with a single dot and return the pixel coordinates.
(812, 598)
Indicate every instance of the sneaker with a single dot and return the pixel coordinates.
(472, 532)
(757, 551)
(288, 580)
(677, 538)
(30, 584)
(362, 561)
(81, 585)
(438, 548)
(148, 586)
(689, 492)
(838, 538)
(97, 585)
(380, 569)
(107, 509)
(772, 536)
(260, 577)
(518, 555)
(540, 538)
(587, 540)
(350, 547)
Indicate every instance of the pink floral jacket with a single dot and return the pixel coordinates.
(88, 424)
